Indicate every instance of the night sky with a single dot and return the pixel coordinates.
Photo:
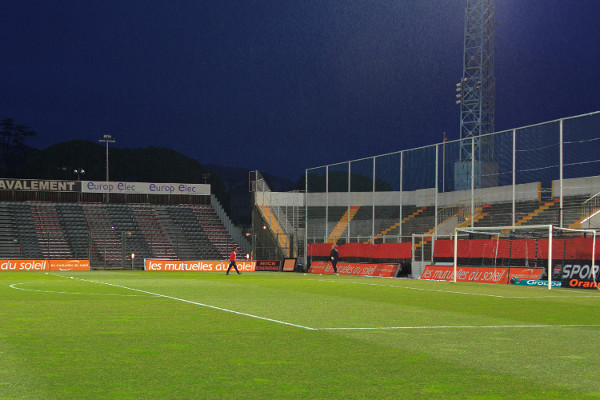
(281, 86)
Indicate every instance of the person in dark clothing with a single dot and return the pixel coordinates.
(334, 258)
(232, 263)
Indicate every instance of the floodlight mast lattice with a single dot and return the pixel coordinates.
(476, 93)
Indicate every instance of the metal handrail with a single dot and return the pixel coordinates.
(454, 209)
(590, 206)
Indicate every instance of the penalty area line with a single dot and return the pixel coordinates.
(199, 304)
(457, 327)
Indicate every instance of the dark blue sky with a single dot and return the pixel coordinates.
(281, 86)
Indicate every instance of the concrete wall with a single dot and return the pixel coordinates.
(577, 186)
(424, 197)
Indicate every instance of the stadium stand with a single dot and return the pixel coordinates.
(9, 242)
(420, 220)
(107, 234)
(50, 234)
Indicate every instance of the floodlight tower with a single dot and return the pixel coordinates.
(477, 98)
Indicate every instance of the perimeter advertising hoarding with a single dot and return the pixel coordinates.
(580, 275)
(386, 270)
(194, 189)
(466, 274)
(44, 265)
(289, 265)
(145, 188)
(268, 265)
(534, 282)
(479, 274)
(196, 265)
(42, 185)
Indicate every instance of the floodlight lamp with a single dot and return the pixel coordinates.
(107, 139)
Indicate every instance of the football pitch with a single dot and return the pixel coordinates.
(264, 335)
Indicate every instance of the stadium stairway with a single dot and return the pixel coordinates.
(573, 211)
(342, 224)
(540, 216)
(275, 227)
(107, 248)
(50, 234)
(396, 225)
(75, 227)
(9, 244)
(183, 248)
(151, 228)
(27, 235)
(215, 231)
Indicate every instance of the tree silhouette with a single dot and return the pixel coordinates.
(12, 145)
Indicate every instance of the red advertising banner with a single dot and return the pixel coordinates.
(362, 250)
(44, 265)
(578, 248)
(466, 274)
(200, 266)
(386, 270)
(525, 273)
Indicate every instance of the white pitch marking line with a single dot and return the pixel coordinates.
(460, 327)
(199, 304)
(566, 295)
(412, 288)
(14, 286)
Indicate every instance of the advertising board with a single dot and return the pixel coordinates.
(533, 282)
(145, 188)
(466, 274)
(267, 265)
(581, 275)
(196, 265)
(44, 265)
(385, 270)
(289, 265)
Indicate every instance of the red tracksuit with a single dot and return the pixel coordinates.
(232, 262)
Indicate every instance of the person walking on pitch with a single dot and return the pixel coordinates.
(232, 263)
(334, 258)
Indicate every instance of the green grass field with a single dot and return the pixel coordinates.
(144, 335)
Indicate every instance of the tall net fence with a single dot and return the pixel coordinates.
(539, 174)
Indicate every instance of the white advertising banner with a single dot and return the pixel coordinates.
(145, 188)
